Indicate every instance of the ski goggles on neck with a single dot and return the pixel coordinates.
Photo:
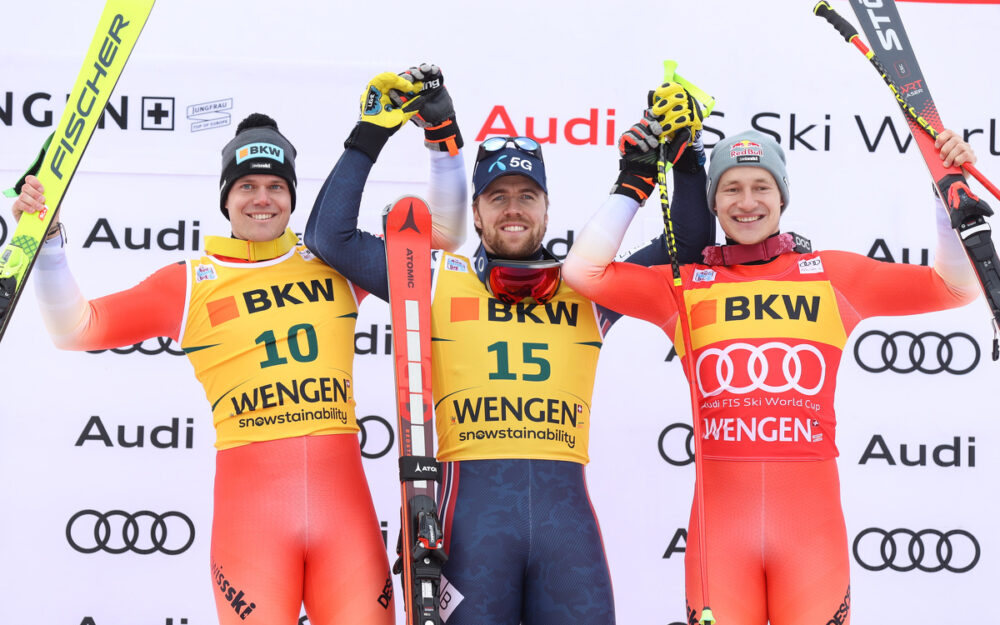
(511, 281)
(495, 144)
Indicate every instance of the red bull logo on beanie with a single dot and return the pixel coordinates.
(259, 150)
(746, 151)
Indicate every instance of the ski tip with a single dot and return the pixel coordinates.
(406, 202)
(409, 212)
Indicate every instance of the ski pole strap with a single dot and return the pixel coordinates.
(32, 170)
(416, 468)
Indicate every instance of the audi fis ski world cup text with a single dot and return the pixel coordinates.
(599, 128)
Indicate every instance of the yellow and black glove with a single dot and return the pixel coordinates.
(435, 110)
(675, 109)
(381, 116)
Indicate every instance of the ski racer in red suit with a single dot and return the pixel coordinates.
(269, 329)
(768, 325)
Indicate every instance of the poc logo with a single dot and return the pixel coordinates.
(515, 163)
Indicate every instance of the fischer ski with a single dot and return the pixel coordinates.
(967, 211)
(420, 549)
(117, 32)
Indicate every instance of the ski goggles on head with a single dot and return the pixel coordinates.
(511, 281)
(495, 144)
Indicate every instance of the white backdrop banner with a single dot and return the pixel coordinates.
(130, 429)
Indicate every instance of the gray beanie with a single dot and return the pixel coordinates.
(747, 149)
(257, 148)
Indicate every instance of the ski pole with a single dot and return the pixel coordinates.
(850, 34)
(668, 155)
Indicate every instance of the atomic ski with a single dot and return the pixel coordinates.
(968, 213)
(117, 31)
(421, 551)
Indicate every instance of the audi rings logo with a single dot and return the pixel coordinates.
(117, 531)
(149, 347)
(803, 369)
(3, 231)
(377, 436)
(906, 352)
(677, 444)
(927, 550)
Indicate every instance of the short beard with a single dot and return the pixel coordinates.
(498, 248)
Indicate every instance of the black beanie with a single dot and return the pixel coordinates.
(257, 148)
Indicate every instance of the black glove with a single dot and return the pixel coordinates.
(435, 110)
(638, 151)
(383, 112)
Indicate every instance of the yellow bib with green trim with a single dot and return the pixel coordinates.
(510, 381)
(272, 342)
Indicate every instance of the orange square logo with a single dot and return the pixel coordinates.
(464, 309)
(703, 314)
(222, 310)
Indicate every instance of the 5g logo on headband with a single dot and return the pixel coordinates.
(515, 162)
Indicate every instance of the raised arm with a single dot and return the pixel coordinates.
(153, 308)
(389, 100)
(693, 224)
